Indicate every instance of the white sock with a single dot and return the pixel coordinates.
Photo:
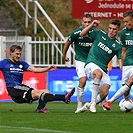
(95, 89)
(98, 100)
(80, 93)
(119, 93)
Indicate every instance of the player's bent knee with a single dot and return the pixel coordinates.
(36, 94)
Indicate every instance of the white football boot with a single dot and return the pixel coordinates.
(84, 108)
(93, 107)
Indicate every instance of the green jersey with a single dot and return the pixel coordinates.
(103, 49)
(82, 44)
(126, 38)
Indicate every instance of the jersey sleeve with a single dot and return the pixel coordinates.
(2, 62)
(73, 36)
(25, 65)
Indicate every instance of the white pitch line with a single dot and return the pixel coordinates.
(34, 129)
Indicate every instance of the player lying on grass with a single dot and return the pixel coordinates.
(13, 69)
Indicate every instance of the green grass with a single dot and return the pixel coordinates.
(21, 118)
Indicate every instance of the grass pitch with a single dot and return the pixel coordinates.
(21, 118)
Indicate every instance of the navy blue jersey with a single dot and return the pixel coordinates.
(13, 72)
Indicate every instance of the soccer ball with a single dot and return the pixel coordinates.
(126, 105)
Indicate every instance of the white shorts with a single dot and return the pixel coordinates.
(89, 68)
(80, 68)
(127, 71)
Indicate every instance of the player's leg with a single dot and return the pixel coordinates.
(45, 97)
(80, 93)
(82, 81)
(118, 94)
(127, 95)
(102, 91)
(95, 88)
(92, 71)
(127, 71)
(124, 89)
(125, 75)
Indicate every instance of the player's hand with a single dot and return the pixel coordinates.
(95, 23)
(52, 68)
(65, 58)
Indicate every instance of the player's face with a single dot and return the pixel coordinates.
(15, 56)
(86, 22)
(128, 22)
(112, 31)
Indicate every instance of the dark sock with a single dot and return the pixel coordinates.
(42, 103)
(51, 97)
(44, 98)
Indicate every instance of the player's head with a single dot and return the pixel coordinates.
(15, 53)
(114, 27)
(128, 19)
(86, 20)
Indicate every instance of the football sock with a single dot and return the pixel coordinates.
(80, 93)
(95, 89)
(55, 97)
(98, 100)
(44, 98)
(42, 103)
(119, 93)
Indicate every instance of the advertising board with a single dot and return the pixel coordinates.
(102, 9)
(62, 80)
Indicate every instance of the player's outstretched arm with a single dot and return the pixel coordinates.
(40, 69)
(95, 23)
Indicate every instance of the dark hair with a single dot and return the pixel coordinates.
(128, 13)
(13, 47)
(116, 22)
(87, 15)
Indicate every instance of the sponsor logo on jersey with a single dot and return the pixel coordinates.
(16, 69)
(85, 44)
(84, 37)
(20, 66)
(129, 42)
(113, 45)
(104, 47)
